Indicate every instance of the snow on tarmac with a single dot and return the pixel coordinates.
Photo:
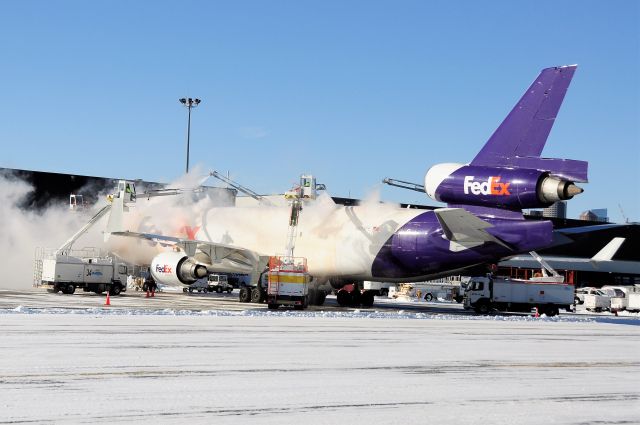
(357, 367)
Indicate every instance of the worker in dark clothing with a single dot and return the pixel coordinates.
(150, 285)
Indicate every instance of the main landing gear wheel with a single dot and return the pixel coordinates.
(70, 289)
(367, 299)
(344, 298)
(428, 296)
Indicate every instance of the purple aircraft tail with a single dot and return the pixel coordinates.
(519, 140)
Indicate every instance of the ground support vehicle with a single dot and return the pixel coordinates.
(219, 283)
(288, 282)
(633, 304)
(503, 294)
(597, 301)
(619, 296)
(581, 292)
(379, 288)
(200, 285)
(84, 269)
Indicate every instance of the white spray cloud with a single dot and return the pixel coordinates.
(22, 231)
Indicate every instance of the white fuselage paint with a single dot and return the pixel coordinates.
(336, 240)
(340, 241)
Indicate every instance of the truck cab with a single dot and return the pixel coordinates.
(477, 290)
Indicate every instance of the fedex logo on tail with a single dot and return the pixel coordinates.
(163, 269)
(492, 186)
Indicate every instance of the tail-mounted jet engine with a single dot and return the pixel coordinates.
(176, 269)
(501, 187)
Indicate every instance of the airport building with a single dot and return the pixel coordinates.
(557, 210)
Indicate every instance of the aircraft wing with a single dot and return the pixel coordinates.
(224, 258)
(602, 261)
(464, 230)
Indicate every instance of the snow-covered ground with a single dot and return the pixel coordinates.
(355, 367)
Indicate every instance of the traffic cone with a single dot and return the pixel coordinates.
(108, 301)
(537, 313)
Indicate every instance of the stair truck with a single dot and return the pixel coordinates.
(484, 294)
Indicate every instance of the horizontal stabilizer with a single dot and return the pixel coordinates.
(609, 250)
(464, 229)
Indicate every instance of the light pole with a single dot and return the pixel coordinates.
(189, 103)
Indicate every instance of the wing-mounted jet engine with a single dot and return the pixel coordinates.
(176, 268)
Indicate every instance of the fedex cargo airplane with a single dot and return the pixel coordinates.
(481, 223)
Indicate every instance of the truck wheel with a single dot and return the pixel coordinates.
(70, 289)
(190, 290)
(483, 307)
(245, 295)
(185, 290)
(552, 310)
(218, 290)
(115, 289)
(428, 296)
(273, 306)
(320, 297)
(256, 295)
(230, 290)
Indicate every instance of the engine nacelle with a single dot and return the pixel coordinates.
(498, 187)
(176, 269)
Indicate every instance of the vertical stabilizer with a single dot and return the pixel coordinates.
(524, 132)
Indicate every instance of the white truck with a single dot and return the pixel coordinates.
(633, 303)
(214, 282)
(597, 301)
(66, 272)
(620, 296)
(380, 288)
(503, 294)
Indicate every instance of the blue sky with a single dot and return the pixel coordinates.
(350, 91)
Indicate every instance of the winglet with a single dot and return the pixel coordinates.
(609, 250)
